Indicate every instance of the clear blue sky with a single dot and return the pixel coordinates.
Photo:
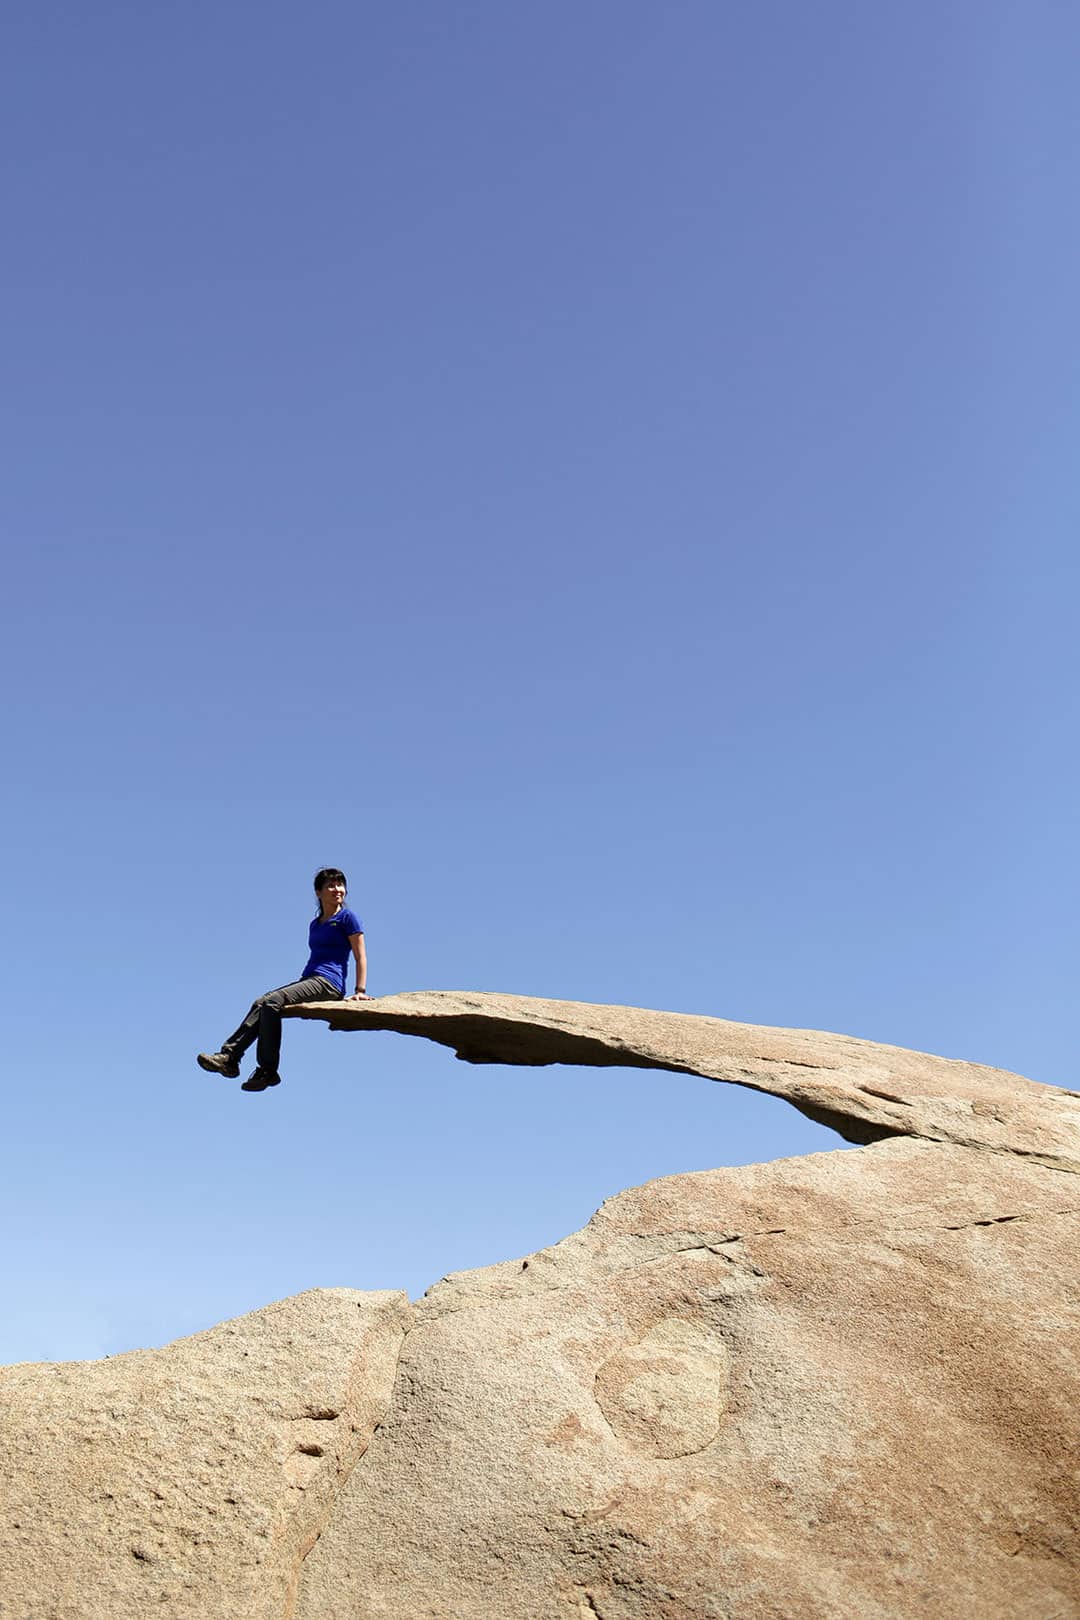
(604, 475)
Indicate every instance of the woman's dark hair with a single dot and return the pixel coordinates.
(325, 875)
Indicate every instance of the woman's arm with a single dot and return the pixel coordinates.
(360, 953)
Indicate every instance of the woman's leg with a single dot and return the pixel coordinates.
(245, 1034)
(268, 1052)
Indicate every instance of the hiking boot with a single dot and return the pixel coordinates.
(219, 1063)
(260, 1079)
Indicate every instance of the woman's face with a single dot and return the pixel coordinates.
(332, 895)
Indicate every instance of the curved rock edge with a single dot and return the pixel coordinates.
(863, 1090)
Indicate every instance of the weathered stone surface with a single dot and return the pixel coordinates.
(847, 1384)
(189, 1481)
(841, 1385)
(864, 1091)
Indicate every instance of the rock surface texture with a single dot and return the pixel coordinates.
(190, 1481)
(842, 1385)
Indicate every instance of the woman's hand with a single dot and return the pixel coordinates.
(359, 995)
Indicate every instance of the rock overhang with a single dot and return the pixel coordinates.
(863, 1090)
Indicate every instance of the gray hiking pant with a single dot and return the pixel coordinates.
(263, 1022)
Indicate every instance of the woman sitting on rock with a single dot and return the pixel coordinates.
(334, 935)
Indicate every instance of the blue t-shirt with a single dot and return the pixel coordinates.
(328, 942)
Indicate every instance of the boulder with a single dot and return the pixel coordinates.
(844, 1384)
(192, 1481)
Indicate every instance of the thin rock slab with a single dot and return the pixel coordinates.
(189, 1481)
(846, 1384)
(863, 1090)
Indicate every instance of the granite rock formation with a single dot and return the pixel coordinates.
(845, 1384)
(190, 1481)
(864, 1091)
